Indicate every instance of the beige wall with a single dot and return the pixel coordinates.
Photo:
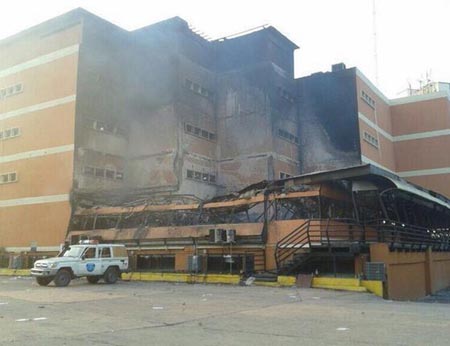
(45, 224)
(41, 176)
(381, 117)
(42, 129)
(384, 154)
(426, 153)
(416, 156)
(410, 157)
(382, 112)
(427, 115)
(35, 209)
(412, 275)
(37, 42)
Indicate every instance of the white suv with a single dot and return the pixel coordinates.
(95, 261)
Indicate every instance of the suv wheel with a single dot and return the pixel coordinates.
(111, 275)
(62, 278)
(44, 281)
(93, 279)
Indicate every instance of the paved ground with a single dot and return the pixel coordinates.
(138, 313)
(439, 297)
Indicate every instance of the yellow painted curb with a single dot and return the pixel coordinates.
(177, 277)
(15, 272)
(286, 280)
(342, 288)
(373, 286)
(327, 281)
(222, 279)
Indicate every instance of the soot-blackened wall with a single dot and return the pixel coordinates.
(328, 119)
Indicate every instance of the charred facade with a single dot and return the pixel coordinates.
(99, 116)
(318, 222)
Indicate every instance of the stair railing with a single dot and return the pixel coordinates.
(291, 243)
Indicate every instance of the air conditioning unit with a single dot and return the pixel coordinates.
(195, 264)
(231, 235)
(217, 235)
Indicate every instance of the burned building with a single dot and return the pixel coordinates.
(155, 110)
(94, 115)
(329, 222)
(345, 120)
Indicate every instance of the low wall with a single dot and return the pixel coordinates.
(412, 275)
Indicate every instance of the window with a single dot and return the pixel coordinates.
(285, 175)
(109, 174)
(367, 99)
(225, 263)
(18, 88)
(370, 139)
(201, 176)
(11, 90)
(105, 127)
(6, 178)
(9, 133)
(287, 136)
(119, 175)
(202, 133)
(89, 253)
(100, 172)
(120, 251)
(105, 252)
(156, 262)
(197, 89)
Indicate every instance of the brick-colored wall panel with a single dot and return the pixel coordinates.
(45, 224)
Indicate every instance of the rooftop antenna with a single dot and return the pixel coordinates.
(375, 48)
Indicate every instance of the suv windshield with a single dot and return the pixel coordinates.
(73, 252)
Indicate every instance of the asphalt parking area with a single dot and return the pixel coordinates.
(144, 313)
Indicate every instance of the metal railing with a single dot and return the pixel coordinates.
(292, 243)
(345, 233)
(403, 236)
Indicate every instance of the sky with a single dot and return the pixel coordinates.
(412, 37)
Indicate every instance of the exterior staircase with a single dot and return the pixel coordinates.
(317, 240)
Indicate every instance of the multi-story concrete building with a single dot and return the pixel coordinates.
(347, 121)
(96, 108)
(89, 111)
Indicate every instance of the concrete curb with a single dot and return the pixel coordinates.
(340, 284)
